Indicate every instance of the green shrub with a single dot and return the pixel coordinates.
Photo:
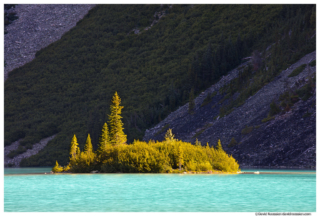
(162, 129)
(214, 94)
(202, 130)
(305, 92)
(246, 130)
(313, 63)
(206, 100)
(298, 70)
(274, 109)
(233, 142)
(267, 119)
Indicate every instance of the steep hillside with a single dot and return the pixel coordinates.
(287, 139)
(37, 27)
(67, 88)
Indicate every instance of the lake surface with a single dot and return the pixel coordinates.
(26, 170)
(158, 192)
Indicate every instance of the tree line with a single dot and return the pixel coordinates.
(115, 155)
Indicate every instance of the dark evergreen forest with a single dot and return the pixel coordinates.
(67, 89)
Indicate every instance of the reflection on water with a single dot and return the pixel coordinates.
(26, 170)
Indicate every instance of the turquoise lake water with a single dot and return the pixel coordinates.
(26, 170)
(159, 193)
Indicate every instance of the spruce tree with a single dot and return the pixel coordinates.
(197, 72)
(73, 148)
(88, 150)
(104, 139)
(78, 154)
(192, 105)
(169, 135)
(197, 143)
(207, 66)
(88, 145)
(219, 146)
(117, 135)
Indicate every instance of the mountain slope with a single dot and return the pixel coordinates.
(67, 88)
(287, 140)
(37, 27)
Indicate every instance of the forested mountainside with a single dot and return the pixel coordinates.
(275, 127)
(155, 57)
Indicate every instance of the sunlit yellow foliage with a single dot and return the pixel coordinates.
(73, 148)
(104, 139)
(67, 168)
(117, 135)
(158, 157)
(57, 168)
(168, 156)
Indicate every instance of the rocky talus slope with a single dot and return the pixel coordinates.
(38, 26)
(289, 140)
(15, 162)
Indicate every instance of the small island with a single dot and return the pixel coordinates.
(114, 155)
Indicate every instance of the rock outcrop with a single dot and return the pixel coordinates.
(15, 162)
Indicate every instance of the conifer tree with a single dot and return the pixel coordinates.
(207, 66)
(191, 77)
(88, 150)
(117, 135)
(192, 105)
(197, 72)
(197, 143)
(219, 146)
(104, 139)
(169, 135)
(73, 148)
(88, 146)
(78, 154)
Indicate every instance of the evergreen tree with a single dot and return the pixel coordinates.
(94, 126)
(197, 143)
(88, 146)
(197, 72)
(169, 135)
(88, 151)
(104, 139)
(117, 135)
(191, 77)
(219, 146)
(78, 154)
(73, 148)
(192, 105)
(207, 66)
